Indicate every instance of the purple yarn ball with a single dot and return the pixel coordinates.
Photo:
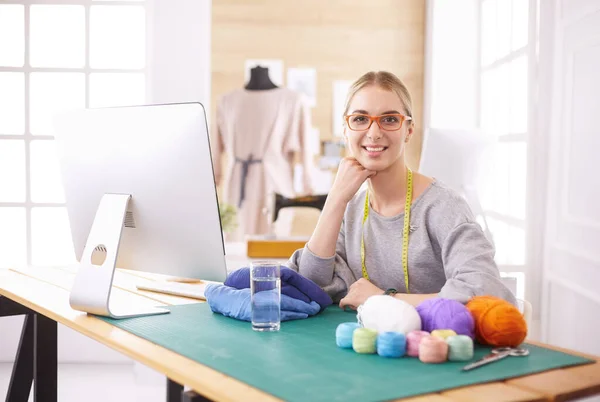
(439, 313)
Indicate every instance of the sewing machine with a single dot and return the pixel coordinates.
(313, 201)
(269, 246)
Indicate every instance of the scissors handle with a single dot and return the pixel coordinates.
(492, 357)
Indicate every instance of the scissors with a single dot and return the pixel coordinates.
(497, 354)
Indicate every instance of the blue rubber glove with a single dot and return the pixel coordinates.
(292, 284)
(236, 303)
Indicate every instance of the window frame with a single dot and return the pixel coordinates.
(522, 271)
(27, 70)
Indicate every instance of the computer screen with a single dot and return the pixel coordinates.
(160, 156)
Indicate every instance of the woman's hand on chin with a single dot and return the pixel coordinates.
(350, 176)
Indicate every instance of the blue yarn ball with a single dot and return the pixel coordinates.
(343, 334)
(391, 344)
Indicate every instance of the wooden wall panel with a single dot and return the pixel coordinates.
(341, 39)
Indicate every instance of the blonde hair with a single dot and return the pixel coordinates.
(384, 80)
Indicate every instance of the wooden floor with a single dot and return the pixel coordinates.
(99, 383)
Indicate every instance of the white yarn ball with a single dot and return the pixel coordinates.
(385, 313)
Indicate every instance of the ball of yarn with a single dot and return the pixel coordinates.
(443, 333)
(497, 322)
(441, 313)
(433, 350)
(413, 339)
(364, 340)
(391, 344)
(388, 314)
(343, 334)
(460, 348)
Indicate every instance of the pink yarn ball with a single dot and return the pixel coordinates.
(440, 313)
(433, 350)
(413, 340)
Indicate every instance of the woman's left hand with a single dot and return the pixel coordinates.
(359, 291)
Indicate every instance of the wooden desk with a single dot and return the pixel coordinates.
(44, 294)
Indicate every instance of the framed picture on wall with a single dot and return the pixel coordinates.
(340, 91)
(304, 80)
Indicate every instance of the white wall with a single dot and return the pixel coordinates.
(178, 60)
(568, 109)
(10, 331)
(451, 76)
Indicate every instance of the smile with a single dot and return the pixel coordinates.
(374, 149)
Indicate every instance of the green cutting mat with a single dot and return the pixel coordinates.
(302, 361)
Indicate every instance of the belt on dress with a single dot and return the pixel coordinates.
(245, 167)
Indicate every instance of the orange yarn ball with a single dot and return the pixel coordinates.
(497, 322)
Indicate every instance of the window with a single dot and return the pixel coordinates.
(505, 51)
(478, 82)
(60, 55)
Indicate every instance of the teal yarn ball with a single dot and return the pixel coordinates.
(364, 340)
(391, 344)
(460, 348)
(343, 334)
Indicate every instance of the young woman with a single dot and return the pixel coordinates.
(358, 247)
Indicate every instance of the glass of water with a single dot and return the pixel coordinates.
(265, 291)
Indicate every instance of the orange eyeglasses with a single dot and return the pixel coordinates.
(387, 122)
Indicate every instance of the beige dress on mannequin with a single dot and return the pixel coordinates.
(261, 131)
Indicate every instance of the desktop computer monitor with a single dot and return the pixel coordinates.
(140, 189)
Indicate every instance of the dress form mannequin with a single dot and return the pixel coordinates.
(263, 127)
(259, 79)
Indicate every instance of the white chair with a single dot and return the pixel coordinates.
(526, 309)
(523, 305)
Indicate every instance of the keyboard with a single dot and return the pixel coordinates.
(192, 290)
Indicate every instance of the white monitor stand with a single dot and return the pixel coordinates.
(93, 283)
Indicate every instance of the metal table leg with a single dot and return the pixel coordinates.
(191, 396)
(22, 374)
(174, 391)
(36, 359)
(45, 366)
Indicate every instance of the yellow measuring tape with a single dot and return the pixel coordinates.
(409, 188)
